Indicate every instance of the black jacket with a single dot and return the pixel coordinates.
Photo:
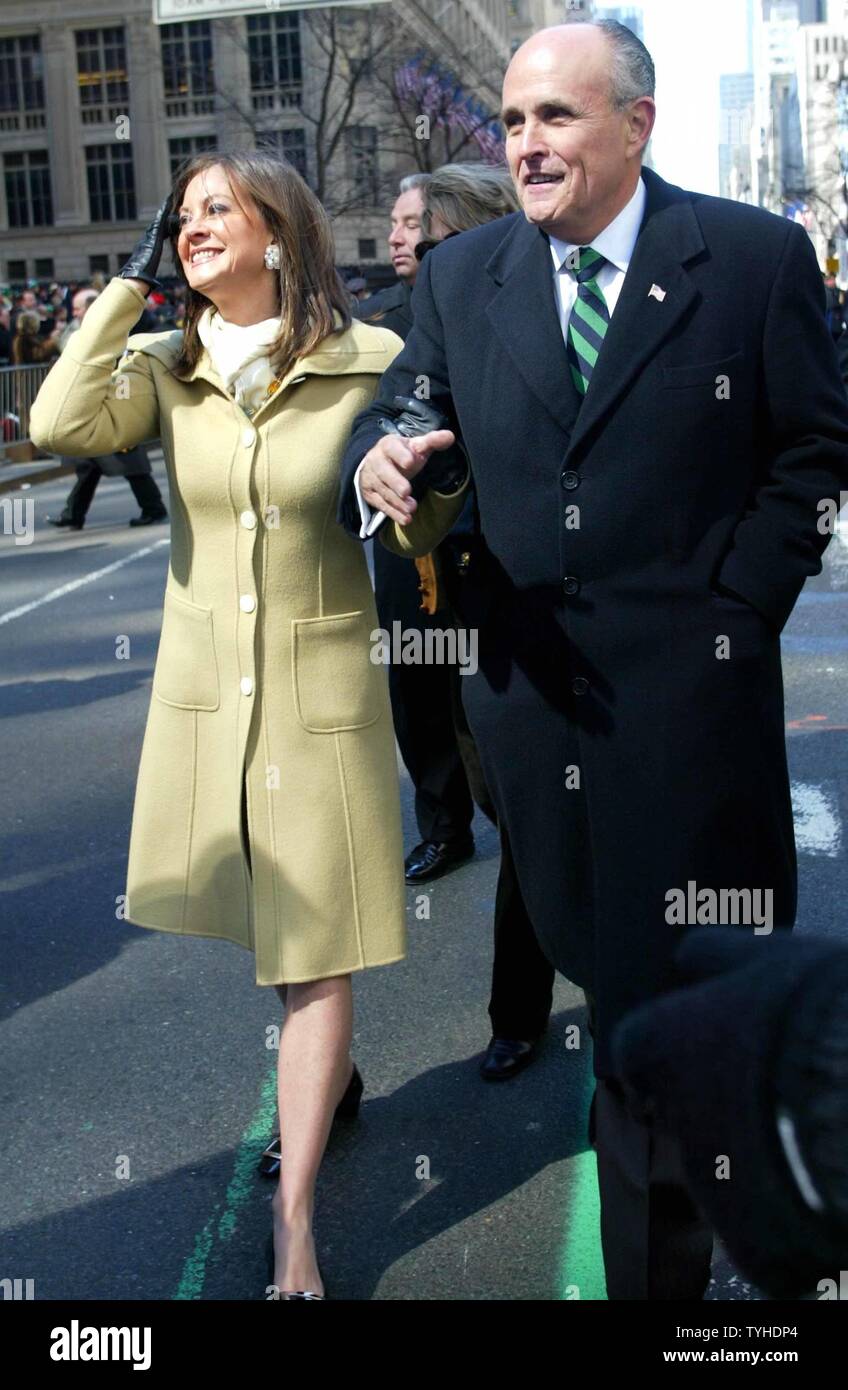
(715, 423)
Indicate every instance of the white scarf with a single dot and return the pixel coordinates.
(238, 352)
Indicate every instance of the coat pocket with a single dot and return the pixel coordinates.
(702, 373)
(336, 684)
(186, 673)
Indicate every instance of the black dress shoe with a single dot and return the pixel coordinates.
(506, 1057)
(65, 521)
(148, 518)
(432, 858)
(347, 1109)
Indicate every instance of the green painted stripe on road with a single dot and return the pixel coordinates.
(581, 1266)
(218, 1230)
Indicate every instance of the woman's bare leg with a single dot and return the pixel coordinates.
(313, 1072)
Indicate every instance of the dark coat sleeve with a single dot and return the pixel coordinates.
(420, 369)
(780, 540)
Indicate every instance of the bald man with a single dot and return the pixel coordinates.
(650, 400)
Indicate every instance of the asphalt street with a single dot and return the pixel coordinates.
(137, 1083)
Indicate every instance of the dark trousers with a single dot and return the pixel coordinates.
(79, 499)
(656, 1244)
(422, 709)
(522, 976)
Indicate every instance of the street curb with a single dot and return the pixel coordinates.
(48, 474)
(40, 475)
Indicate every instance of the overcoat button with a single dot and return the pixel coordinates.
(248, 519)
(580, 685)
(246, 685)
(247, 603)
(570, 479)
(248, 437)
(570, 584)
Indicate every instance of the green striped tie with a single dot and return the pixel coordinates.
(589, 319)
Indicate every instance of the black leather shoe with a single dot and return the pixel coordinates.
(506, 1057)
(347, 1109)
(65, 521)
(432, 858)
(148, 518)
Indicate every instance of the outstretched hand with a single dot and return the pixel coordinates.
(387, 470)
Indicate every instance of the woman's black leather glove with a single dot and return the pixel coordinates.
(445, 469)
(147, 252)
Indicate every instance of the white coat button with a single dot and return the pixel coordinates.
(248, 437)
(248, 519)
(246, 685)
(247, 603)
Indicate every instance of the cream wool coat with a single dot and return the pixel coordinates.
(264, 669)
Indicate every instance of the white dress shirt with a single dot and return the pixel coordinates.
(616, 243)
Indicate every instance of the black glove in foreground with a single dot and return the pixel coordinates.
(748, 1066)
(147, 252)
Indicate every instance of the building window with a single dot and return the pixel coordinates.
(362, 163)
(17, 272)
(188, 68)
(111, 182)
(290, 143)
(367, 248)
(21, 84)
(96, 263)
(276, 78)
(185, 146)
(44, 268)
(28, 196)
(102, 74)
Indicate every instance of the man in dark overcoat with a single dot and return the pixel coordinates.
(646, 389)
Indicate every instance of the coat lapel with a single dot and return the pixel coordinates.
(523, 314)
(669, 236)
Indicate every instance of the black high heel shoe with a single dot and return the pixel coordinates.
(347, 1109)
(299, 1294)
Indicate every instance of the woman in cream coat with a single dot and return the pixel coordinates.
(267, 807)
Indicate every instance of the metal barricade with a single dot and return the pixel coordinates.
(19, 387)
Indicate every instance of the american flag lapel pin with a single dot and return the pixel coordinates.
(657, 293)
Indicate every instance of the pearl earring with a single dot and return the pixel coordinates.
(272, 256)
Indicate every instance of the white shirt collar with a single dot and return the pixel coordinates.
(616, 241)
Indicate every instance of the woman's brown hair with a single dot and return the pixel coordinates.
(309, 286)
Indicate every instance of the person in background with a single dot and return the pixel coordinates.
(358, 287)
(132, 464)
(28, 345)
(457, 198)
(421, 699)
(5, 335)
(833, 306)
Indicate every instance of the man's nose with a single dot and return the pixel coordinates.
(531, 142)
